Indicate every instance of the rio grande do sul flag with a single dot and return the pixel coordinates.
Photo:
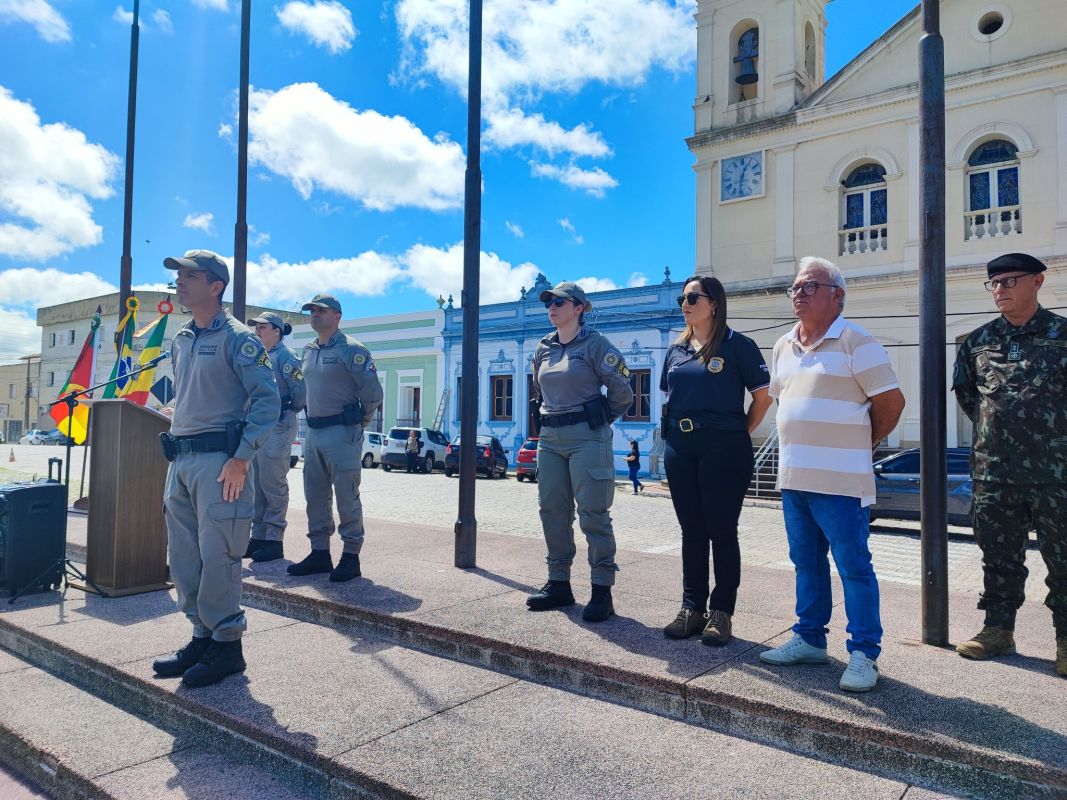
(81, 377)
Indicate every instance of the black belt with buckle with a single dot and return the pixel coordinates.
(686, 424)
(214, 442)
(561, 420)
(326, 422)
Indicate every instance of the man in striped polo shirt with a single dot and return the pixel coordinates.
(837, 398)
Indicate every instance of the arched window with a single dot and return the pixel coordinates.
(746, 66)
(993, 207)
(864, 211)
(809, 50)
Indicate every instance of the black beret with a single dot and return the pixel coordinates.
(1014, 262)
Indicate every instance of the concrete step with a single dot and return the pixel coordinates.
(336, 713)
(75, 745)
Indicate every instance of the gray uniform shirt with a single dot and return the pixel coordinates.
(566, 376)
(222, 375)
(337, 374)
(289, 377)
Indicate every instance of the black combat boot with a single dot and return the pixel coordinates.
(347, 568)
(268, 551)
(177, 664)
(316, 562)
(554, 594)
(220, 660)
(253, 546)
(599, 607)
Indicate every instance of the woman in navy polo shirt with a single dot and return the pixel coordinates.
(708, 454)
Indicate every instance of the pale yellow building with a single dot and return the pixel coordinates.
(792, 165)
(18, 389)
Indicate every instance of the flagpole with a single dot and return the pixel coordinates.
(240, 233)
(126, 263)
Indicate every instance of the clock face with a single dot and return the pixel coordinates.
(742, 176)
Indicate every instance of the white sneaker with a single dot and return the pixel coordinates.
(861, 674)
(795, 651)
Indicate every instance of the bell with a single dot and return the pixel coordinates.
(747, 73)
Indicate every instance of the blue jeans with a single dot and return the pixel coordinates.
(817, 523)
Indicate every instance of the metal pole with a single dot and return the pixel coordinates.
(29, 393)
(240, 231)
(932, 391)
(466, 524)
(126, 263)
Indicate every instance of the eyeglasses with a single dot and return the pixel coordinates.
(1004, 283)
(807, 288)
(690, 297)
(558, 302)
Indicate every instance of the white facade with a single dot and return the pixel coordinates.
(771, 169)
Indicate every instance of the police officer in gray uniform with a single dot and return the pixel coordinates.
(225, 403)
(343, 393)
(272, 459)
(575, 460)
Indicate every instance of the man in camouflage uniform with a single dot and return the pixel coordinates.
(1010, 378)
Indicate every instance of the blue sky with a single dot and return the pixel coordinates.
(358, 140)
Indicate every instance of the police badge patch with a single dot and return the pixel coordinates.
(359, 359)
(716, 363)
(287, 369)
(611, 360)
(249, 352)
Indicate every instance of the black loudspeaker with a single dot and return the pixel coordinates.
(33, 536)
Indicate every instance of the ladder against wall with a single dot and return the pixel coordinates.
(439, 418)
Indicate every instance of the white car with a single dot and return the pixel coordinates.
(373, 446)
(296, 452)
(33, 437)
(431, 450)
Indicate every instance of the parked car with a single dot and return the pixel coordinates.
(431, 451)
(897, 482)
(526, 461)
(296, 451)
(491, 459)
(56, 437)
(373, 446)
(33, 437)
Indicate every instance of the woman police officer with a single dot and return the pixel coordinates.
(708, 454)
(575, 460)
(272, 459)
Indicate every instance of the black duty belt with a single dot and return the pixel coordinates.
(214, 442)
(686, 424)
(562, 420)
(326, 422)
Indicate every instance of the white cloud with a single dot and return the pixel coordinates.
(29, 287)
(48, 173)
(162, 20)
(597, 284)
(591, 181)
(515, 128)
(215, 5)
(259, 238)
(303, 133)
(123, 16)
(637, 279)
(19, 334)
(225, 131)
(568, 226)
(326, 23)
(514, 229)
(369, 274)
(200, 222)
(439, 272)
(49, 23)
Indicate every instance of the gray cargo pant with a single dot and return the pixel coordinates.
(576, 465)
(332, 466)
(207, 537)
(271, 484)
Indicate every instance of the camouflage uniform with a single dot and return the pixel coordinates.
(1011, 382)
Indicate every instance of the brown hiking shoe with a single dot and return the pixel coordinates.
(989, 642)
(688, 622)
(1061, 656)
(720, 627)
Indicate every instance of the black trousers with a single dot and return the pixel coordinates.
(708, 472)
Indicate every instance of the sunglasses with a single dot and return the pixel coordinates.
(558, 302)
(690, 297)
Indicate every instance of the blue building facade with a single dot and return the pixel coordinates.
(640, 321)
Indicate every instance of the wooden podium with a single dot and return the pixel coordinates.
(127, 535)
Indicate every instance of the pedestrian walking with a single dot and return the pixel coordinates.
(273, 459)
(1010, 378)
(343, 392)
(412, 450)
(575, 459)
(708, 453)
(633, 463)
(838, 397)
(225, 404)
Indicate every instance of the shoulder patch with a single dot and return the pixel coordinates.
(611, 360)
(252, 352)
(287, 368)
(359, 359)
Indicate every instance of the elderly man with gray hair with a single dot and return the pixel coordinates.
(837, 398)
